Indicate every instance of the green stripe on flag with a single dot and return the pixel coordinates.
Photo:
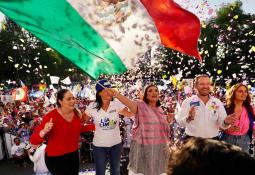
(59, 25)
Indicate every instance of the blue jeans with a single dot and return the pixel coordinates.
(242, 141)
(42, 174)
(100, 156)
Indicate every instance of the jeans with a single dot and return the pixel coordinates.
(242, 141)
(42, 173)
(101, 154)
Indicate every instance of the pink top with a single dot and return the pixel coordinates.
(151, 126)
(242, 123)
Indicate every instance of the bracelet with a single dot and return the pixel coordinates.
(188, 119)
(42, 133)
(225, 123)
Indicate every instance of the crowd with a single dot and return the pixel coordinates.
(181, 114)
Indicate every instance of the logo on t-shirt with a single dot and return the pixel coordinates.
(19, 151)
(107, 124)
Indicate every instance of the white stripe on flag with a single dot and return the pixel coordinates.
(131, 38)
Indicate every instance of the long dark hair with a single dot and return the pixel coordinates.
(98, 101)
(60, 96)
(146, 93)
(230, 97)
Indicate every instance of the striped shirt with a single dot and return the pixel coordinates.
(150, 126)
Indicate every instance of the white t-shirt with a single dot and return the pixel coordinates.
(107, 131)
(18, 150)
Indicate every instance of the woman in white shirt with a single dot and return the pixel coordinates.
(107, 140)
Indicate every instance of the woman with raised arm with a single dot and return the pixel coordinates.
(150, 134)
(107, 140)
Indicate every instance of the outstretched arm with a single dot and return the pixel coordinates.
(126, 113)
(132, 105)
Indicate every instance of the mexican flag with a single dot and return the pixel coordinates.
(99, 35)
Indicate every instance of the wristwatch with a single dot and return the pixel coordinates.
(225, 123)
(189, 119)
(42, 133)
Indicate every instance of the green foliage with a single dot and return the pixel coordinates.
(225, 45)
(24, 57)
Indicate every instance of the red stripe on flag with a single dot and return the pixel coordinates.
(178, 28)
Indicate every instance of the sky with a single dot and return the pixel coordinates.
(248, 5)
(206, 8)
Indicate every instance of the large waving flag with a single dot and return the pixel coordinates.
(179, 29)
(58, 24)
(97, 35)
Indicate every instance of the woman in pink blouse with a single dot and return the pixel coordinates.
(238, 101)
(150, 134)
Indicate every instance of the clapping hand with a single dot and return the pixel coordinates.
(231, 119)
(170, 117)
(234, 129)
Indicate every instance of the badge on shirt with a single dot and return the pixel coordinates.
(214, 107)
(194, 103)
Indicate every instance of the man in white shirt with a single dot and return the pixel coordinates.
(203, 115)
(18, 152)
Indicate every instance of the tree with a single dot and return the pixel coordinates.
(24, 57)
(226, 44)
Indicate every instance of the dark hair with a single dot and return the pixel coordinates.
(98, 101)
(209, 157)
(230, 97)
(199, 76)
(16, 139)
(60, 95)
(145, 95)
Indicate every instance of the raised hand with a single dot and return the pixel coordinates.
(48, 126)
(192, 113)
(111, 92)
(231, 119)
(170, 117)
(234, 129)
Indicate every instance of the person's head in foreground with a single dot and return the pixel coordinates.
(209, 157)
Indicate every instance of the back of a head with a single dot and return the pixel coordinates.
(209, 157)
